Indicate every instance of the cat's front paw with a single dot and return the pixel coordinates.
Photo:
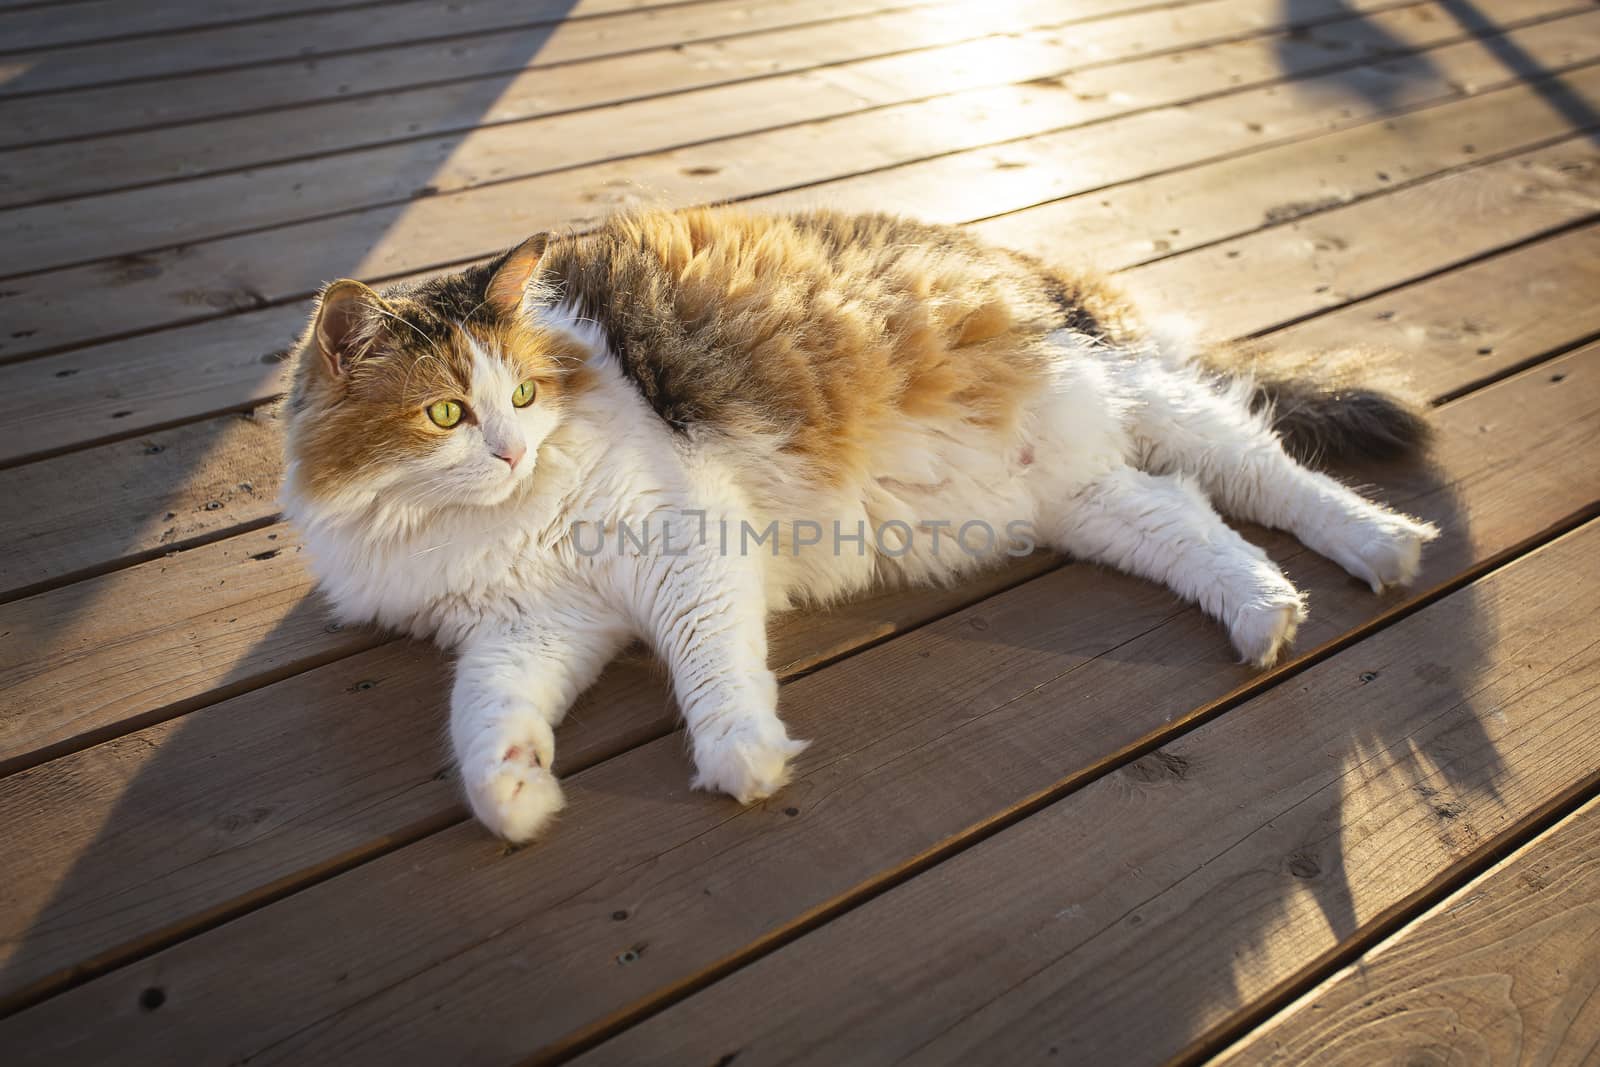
(748, 760)
(510, 785)
(1265, 624)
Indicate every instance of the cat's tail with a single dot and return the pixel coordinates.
(1324, 406)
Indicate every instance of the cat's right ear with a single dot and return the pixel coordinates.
(341, 315)
(510, 282)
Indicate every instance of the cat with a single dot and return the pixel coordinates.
(538, 459)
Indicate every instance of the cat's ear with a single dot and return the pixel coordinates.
(341, 321)
(510, 281)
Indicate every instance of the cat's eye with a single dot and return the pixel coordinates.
(445, 413)
(524, 394)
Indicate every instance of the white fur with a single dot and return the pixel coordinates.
(1113, 463)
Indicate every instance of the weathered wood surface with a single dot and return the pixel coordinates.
(833, 57)
(232, 830)
(123, 387)
(1507, 970)
(188, 283)
(1013, 684)
(557, 30)
(1121, 923)
(156, 665)
(464, 78)
(198, 209)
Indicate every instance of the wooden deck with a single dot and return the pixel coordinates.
(1046, 816)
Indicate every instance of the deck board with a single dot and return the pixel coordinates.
(188, 283)
(467, 75)
(154, 380)
(1122, 923)
(1508, 966)
(557, 30)
(830, 53)
(233, 829)
(1079, 637)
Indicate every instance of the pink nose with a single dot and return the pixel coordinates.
(512, 454)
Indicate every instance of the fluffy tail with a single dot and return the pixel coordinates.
(1327, 407)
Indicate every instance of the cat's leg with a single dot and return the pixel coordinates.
(706, 615)
(513, 685)
(1161, 527)
(1185, 425)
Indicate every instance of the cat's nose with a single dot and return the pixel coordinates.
(512, 454)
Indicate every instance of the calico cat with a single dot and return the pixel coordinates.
(684, 421)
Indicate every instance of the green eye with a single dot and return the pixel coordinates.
(524, 394)
(444, 413)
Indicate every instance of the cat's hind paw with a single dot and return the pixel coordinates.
(1267, 623)
(748, 762)
(511, 789)
(1391, 554)
(1381, 547)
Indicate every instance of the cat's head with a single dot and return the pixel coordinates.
(427, 396)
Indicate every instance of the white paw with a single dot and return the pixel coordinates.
(1266, 621)
(1388, 550)
(748, 759)
(510, 786)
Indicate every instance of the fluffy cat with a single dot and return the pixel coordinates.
(535, 460)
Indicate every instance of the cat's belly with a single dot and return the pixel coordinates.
(957, 509)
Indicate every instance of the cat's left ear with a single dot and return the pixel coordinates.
(510, 281)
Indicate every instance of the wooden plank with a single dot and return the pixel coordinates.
(1322, 262)
(196, 627)
(158, 639)
(59, 25)
(949, 725)
(475, 66)
(77, 230)
(152, 494)
(528, 28)
(163, 378)
(1449, 338)
(86, 229)
(192, 282)
(1119, 224)
(1129, 225)
(85, 165)
(1507, 970)
(1122, 923)
(258, 823)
